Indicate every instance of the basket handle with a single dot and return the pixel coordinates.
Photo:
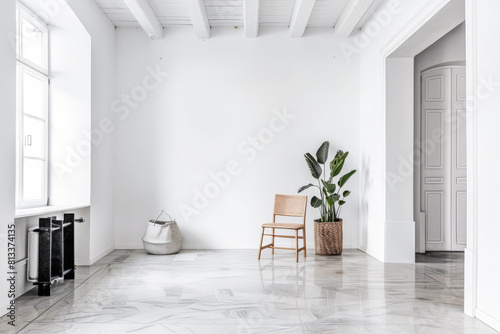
(162, 212)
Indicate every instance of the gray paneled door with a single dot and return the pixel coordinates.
(444, 156)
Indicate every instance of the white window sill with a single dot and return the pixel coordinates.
(22, 213)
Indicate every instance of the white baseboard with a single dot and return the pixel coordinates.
(141, 246)
(102, 254)
(3, 310)
(344, 246)
(89, 262)
(470, 282)
(488, 319)
(129, 246)
(399, 242)
(371, 252)
(82, 262)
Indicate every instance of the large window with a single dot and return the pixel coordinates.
(32, 110)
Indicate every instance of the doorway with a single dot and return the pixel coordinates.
(421, 33)
(438, 21)
(443, 168)
(432, 67)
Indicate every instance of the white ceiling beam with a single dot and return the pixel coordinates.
(300, 17)
(199, 18)
(144, 14)
(353, 11)
(251, 13)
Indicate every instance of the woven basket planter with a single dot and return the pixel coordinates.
(328, 237)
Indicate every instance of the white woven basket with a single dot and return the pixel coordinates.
(162, 237)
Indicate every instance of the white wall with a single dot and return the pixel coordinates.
(219, 93)
(486, 89)
(70, 103)
(399, 139)
(7, 135)
(448, 50)
(399, 227)
(102, 34)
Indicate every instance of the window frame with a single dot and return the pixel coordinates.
(25, 13)
(24, 65)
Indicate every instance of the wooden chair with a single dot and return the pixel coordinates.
(291, 206)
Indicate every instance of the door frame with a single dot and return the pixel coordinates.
(410, 41)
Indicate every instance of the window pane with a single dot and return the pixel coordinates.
(32, 47)
(34, 97)
(33, 180)
(34, 138)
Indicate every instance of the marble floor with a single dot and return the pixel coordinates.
(231, 291)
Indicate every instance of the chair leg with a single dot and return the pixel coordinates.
(297, 245)
(304, 239)
(273, 241)
(261, 240)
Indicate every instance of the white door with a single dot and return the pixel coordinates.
(443, 194)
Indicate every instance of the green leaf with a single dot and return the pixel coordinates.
(330, 200)
(313, 165)
(346, 177)
(336, 197)
(341, 203)
(301, 189)
(346, 193)
(322, 154)
(330, 188)
(316, 202)
(337, 163)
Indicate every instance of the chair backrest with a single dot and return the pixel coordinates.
(290, 205)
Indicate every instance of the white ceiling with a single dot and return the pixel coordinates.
(325, 13)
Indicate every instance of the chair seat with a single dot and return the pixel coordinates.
(284, 226)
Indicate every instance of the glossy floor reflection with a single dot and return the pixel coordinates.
(232, 292)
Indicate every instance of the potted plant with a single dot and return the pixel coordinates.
(328, 229)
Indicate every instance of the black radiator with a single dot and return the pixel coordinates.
(56, 251)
